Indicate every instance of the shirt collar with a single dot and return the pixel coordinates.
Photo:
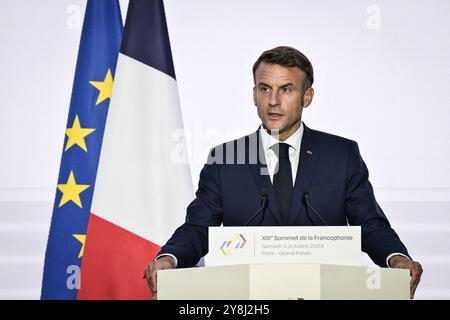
(294, 140)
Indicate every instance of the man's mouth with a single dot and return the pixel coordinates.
(274, 115)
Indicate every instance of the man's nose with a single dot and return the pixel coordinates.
(274, 99)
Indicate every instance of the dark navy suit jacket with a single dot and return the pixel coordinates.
(330, 168)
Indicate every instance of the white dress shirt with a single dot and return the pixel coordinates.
(294, 141)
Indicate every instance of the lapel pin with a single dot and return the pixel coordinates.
(309, 152)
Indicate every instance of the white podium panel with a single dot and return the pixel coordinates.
(283, 282)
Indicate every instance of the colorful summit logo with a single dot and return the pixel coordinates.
(237, 243)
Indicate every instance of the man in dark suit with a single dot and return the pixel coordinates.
(295, 168)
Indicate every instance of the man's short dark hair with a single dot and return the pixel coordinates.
(287, 57)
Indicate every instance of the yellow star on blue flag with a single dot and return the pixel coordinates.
(105, 87)
(82, 239)
(71, 191)
(76, 135)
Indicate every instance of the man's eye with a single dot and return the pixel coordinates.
(286, 89)
(264, 89)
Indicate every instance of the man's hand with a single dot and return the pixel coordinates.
(165, 262)
(414, 267)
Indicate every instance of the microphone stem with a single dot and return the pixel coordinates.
(314, 211)
(263, 205)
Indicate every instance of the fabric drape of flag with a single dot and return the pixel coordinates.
(142, 188)
(91, 92)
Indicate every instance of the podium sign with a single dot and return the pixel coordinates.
(257, 245)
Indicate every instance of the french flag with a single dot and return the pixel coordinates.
(143, 184)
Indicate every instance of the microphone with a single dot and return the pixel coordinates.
(308, 204)
(264, 195)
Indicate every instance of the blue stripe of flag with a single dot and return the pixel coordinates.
(146, 37)
(98, 51)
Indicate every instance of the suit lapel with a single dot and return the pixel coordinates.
(308, 160)
(260, 173)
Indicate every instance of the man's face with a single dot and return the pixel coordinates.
(278, 97)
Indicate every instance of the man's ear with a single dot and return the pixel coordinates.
(308, 97)
(254, 95)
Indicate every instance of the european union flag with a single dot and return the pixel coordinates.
(91, 93)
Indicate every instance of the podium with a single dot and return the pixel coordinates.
(272, 263)
(283, 282)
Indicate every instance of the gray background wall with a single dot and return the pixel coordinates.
(382, 72)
